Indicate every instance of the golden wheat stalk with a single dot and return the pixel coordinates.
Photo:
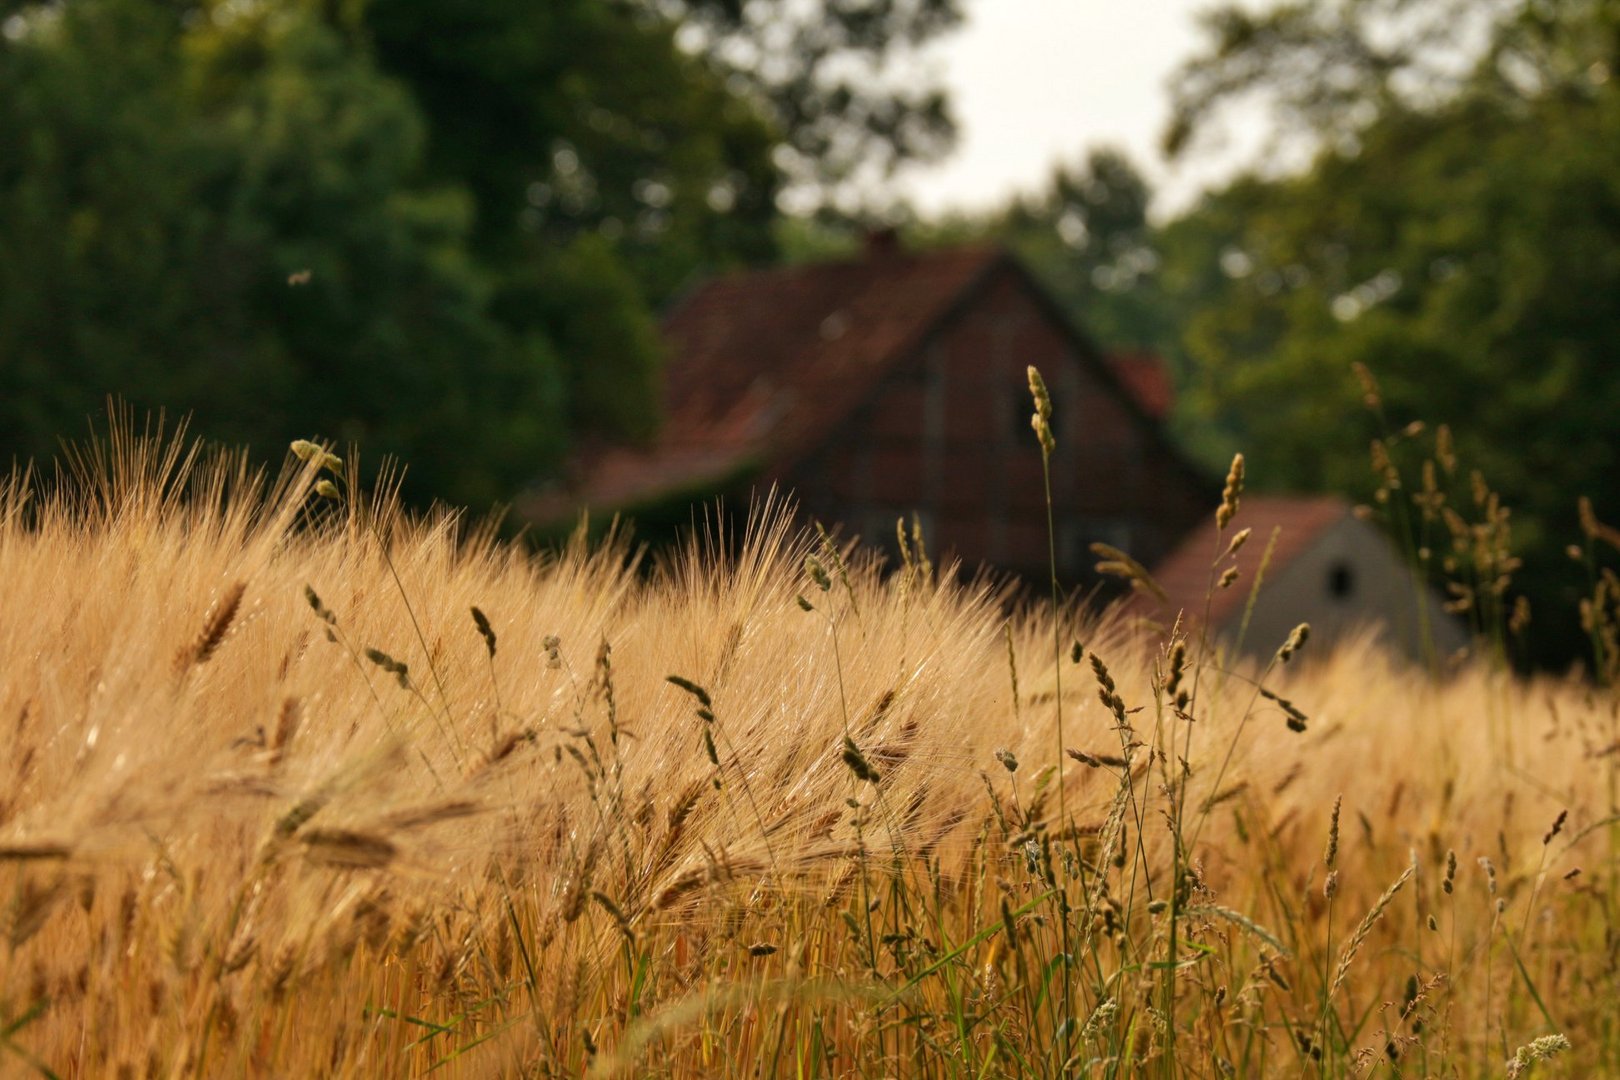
(215, 626)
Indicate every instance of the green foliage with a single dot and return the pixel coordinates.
(1086, 235)
(223, 216)
(837, 80)
(1332, 67)
(436, 229)
(575, 116)
(605, 167)
(597, 311)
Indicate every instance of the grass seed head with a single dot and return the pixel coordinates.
(322, 612)
(1117, 563)
(691, 688)
(287, 721)
(1231, 494)
(1178, 668)
(485, 631)
(394, 667)
(576, 889)
(1332, 858)
(1371, 396)
(1364, 929)
(1239, 538)
(857, 762)
(313, 453)
(817, 573)
(1296, 641)
(1041, 421)
(1536, 1050)
(919, 548)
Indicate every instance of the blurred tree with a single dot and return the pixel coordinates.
(838, 79)
(606, 167)
(220, 215)
(1458, 234)
(1330, 68)
(1087, 237)
(594, 309)
(577, 116)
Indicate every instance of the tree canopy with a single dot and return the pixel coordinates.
(440, 230)
(225, 217)
(838, 79)
(1458, 234)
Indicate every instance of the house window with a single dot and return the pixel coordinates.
(1015, 420)
(1068, 421)
(1341, 581)
(934, 398)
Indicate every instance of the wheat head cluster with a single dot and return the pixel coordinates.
(295, 784)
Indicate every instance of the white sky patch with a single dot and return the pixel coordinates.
(1039, 82)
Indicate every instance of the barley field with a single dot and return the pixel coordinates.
(292, 784)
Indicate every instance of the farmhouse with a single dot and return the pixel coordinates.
(1326, 566)
(894, 384)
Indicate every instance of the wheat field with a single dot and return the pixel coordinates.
(293, 784)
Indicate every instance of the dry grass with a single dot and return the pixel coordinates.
(273, 803)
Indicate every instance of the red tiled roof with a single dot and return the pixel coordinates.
(762, 364)
(1147, 377)
(1185, 573)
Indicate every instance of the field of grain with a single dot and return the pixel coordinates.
(292, 785)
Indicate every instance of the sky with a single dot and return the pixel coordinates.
(1036, 82)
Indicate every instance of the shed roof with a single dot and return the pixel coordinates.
(1186, 575)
